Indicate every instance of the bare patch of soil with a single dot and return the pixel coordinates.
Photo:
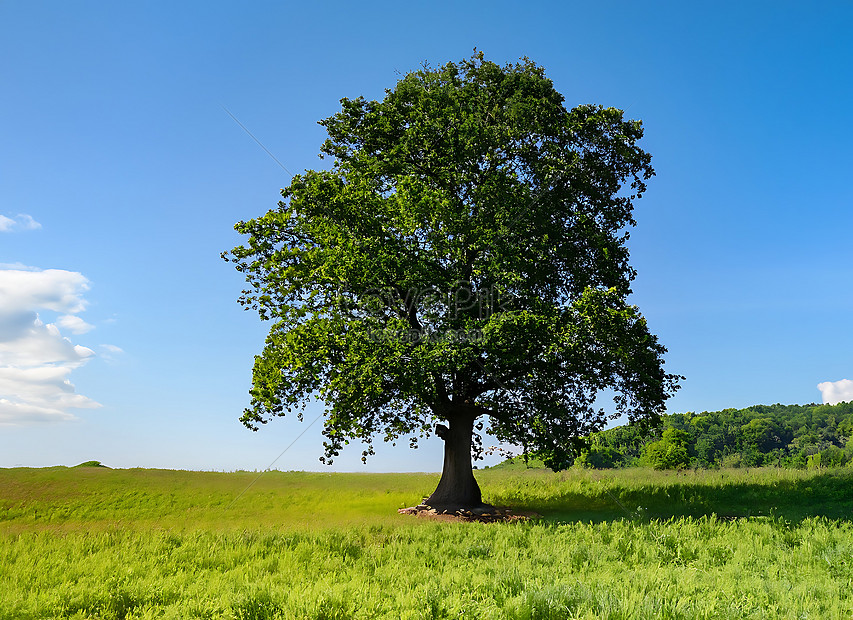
(484, 514)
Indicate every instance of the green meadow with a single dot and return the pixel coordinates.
(93, 542)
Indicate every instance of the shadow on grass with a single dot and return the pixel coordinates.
(822, 494)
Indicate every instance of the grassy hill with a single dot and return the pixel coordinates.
(63, 499)
(105, 543)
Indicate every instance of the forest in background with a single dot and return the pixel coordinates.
(799, 436)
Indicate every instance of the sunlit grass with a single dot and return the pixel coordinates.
(63, 498)
(84, 543)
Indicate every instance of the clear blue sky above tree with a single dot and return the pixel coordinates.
(121, 171)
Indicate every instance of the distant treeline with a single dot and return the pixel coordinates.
(800, 436)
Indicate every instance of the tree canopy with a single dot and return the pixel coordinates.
(797, 436)
(463, 261)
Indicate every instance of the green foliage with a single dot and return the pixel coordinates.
(598, 457)
(464, 256)
(90, 464)
(796, 436)
(670, 452)
(831, 457)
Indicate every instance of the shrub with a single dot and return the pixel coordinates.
(670, 452)
(599, 457)
(831, 457)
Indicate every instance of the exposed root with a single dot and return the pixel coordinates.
(482, 514)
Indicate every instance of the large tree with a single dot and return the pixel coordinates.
(463, 260)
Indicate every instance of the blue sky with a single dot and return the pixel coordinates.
(121, 176)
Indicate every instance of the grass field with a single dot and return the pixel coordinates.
(102, 543)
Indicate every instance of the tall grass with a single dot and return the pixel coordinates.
(607, 494)
(134, 544)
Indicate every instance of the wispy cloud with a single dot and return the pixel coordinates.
(35, 358)
(74, 324)
(109, 352)
(22, 221)
(835, 392)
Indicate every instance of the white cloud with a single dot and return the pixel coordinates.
(22, 413)
(74, 324)
(18, 266)
(50, 289)
(110, 352)
(35, 359)
(45, 387)
(27, 222)
(21, 222)
(835, 392)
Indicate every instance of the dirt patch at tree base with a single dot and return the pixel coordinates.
(484, 514)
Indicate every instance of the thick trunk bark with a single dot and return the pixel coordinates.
(457, 488)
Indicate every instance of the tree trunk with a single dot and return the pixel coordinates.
(457, 488)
